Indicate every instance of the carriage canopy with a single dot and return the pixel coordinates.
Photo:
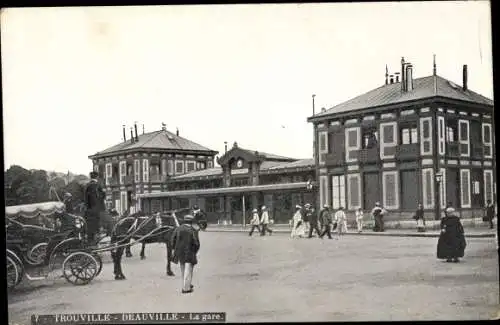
(34, 210)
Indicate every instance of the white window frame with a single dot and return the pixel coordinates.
(349, 192)
(468, 189)
(488, 173)
(488, 142)
(336, 179)
(323, 190)
(423, 139)
(388, 144)
(123, 201)
(109, 173)
(171, 167)
(441, 136)
(424, 188)
(322, 151)
(190, 162)
(348, 148)
(442, 188)
(467, 142)
(175, 167)
(164, 167)
(137, 171)
(396, 189)
(145, 170)
(96, 168)
(122, 169)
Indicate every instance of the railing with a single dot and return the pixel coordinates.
(157, 178)
(407, 151)
(335, 159)
(453, 149)
(369, 156)
(112, 181)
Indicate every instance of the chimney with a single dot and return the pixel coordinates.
(403, 74)
(464, 84)
(323, 109)
(131, 135)
(177, 132)
(386, 75)
(409, 77)
(143, 129)
(124, 135)
(391, 79)
(396, 74)
(136, 134)
(225, 147)
(163, 126)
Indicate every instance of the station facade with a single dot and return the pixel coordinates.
(425, 140)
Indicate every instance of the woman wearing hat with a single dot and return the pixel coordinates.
(451, 244)
(254, 222)
(297, 223)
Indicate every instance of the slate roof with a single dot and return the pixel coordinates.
(266, 165)
(423, 88)
(267, 155)
(162, 139)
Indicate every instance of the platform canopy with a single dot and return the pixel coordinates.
(228, 190)
(34, 210)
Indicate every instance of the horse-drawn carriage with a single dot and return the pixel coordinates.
(32, 248)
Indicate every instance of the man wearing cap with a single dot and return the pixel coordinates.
(326, 222)
(313, 222)
(264, 220)
(186, 245)
(94, 200)
(254, 222)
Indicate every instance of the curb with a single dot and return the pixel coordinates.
(382, 234)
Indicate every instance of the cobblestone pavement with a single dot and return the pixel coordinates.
(274, 278)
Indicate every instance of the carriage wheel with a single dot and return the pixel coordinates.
(80, 268)
(99, 263)
(37, 254)
(13, 274)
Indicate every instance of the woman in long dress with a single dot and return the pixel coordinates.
(298, 225)
(451, 243)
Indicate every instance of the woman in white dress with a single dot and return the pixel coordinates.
(298, 226)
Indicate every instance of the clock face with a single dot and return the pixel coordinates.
(239, 163)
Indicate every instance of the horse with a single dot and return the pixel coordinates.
(180, 213)
(157, 228)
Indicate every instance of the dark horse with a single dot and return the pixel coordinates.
(156, 228)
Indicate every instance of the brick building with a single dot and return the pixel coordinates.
(399, 143)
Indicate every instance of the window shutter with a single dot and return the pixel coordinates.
(463, 137)
(170, 167)
(352, 143)
(137, 170)
(164, 167)
(108, 173)
(426, 136)
(465, 188)
(388, 139)
(442, 188)
(323, 190)
(335, 192)
(354, 191)
(441, 136)
(145, 170)
(487, 140)
(123, 171)
(323, 146)
(428, 188)
(488, 186)
(390, 190)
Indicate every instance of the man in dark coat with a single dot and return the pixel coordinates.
(326, 222)
(186, 244)
(94, 201)
(313, 222)
(451, 243)
(490, 213)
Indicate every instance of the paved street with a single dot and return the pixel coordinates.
(357, 278)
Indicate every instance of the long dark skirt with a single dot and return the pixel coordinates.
(451, 243)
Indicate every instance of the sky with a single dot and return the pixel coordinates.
(73, 76)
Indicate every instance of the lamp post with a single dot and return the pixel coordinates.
(439, 179)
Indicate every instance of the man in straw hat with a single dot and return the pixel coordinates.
(186, 245)
(264, 220)
(254, 222)
(451, 243)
